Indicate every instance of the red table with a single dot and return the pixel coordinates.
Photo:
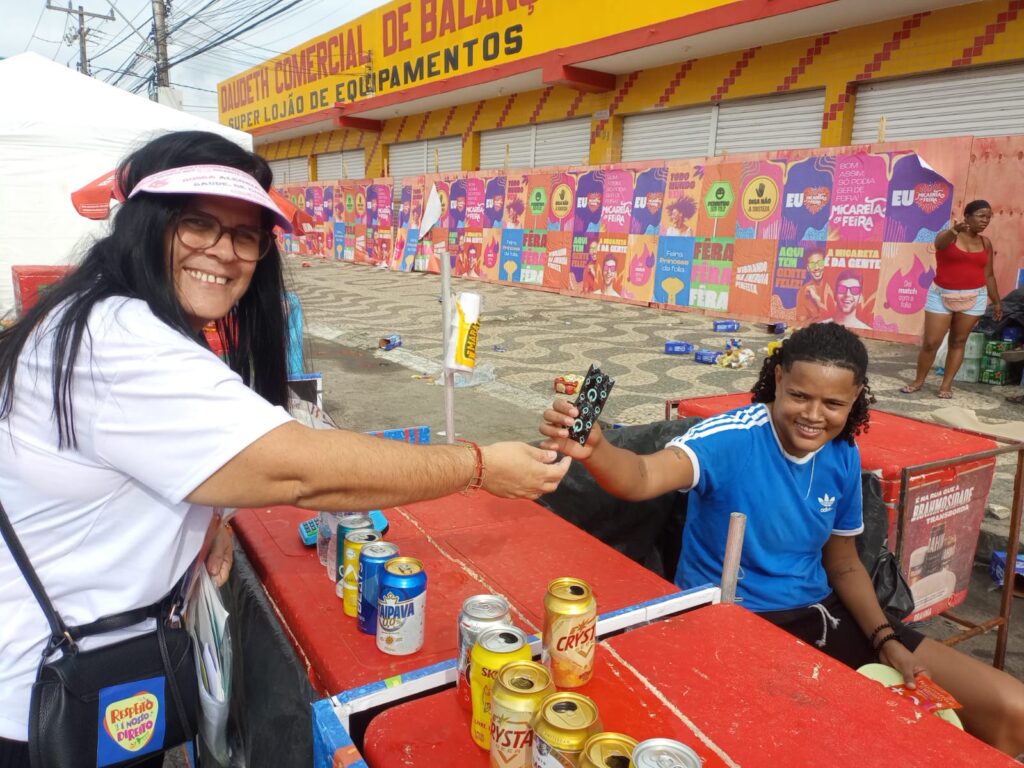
(735, 688)
(469, 545)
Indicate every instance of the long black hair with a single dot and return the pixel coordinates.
(827, 344)
(132, 262)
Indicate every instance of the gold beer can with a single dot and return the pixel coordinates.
(518, 691)
(494, 648)
(570, 632)
(561, 728)
(607, 750)
(349, 584)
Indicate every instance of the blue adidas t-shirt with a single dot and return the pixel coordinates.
(792, 506)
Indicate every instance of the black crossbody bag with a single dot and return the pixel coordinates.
(113, 706)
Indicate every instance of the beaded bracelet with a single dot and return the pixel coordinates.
(477, 480)
(879, 628)
(884, 640)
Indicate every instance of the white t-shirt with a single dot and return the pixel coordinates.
(106, 526)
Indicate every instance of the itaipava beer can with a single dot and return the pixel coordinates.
(346, 522)
(401, 607)
(655, 753)
(561, 728)
(518, 691)
(493, 649)
(371, 566)
(570, 632)
(478, 613)
(607, 750)
(348, 584)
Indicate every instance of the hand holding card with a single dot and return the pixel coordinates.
(590, 402)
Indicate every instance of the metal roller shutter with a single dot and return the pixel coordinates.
(566, 142)
(293, 170)
(987, 101)
(667, 135)
(788, 121)
(408, 159)
(350, 164)
(444, 155)
(518, 140)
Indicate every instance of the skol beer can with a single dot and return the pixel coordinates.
(371, 566)
(348, 584)
(478, 613)
(493, 649)
(607, 750)
(346, 523)
(655, 753)
(570, 632)
(518, 691)
(401, 606)
(561, 728)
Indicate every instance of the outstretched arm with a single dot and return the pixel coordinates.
(619, 471)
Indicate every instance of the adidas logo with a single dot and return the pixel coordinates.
(827, 502)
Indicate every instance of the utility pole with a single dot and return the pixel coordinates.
(163, 78)
(83, 61)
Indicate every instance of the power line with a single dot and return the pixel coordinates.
(234, 34)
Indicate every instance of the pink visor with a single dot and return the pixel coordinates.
(217, 180)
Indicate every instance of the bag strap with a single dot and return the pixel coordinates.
(58, 629)
(61, 633)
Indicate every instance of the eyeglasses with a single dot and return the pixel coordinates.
(853, 290)
(199, 231)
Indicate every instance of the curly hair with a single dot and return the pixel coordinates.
(826, 344)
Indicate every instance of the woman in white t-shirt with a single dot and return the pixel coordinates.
(120, 432)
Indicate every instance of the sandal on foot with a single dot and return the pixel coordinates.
(944, 395)
(909, 389)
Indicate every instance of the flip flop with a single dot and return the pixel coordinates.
(944, 395)
(909, 389)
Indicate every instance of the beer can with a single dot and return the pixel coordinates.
(371, 566)
(518, 691)
(570, 632)
(493, 649)
(401, 607)
(607, 750)
(346, 522)
(348, 585)
(655, 753)
(561, 728)
(478, 613)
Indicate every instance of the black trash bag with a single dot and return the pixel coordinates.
(891, 586)
(648, 532)
(1013, 315)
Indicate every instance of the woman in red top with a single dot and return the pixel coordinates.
(964, 282)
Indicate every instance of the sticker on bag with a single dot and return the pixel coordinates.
(132, 721)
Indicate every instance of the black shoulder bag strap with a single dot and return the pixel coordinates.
(61, 633)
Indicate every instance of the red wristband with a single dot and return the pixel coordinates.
(477, 480)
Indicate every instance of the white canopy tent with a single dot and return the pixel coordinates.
(59, 130)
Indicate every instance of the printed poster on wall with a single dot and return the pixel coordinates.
(711, 276)
(920, 202)
(537, 186)
(583, 263)
(682, 193)
(852, 271)
(534, 255)
(672, 271)
(494, 203)
(515, 201)
(648, 201)
(641, 257)
(589, 202)
(617, 202)
(800, 293)
(807, 199)
(860, 187)
(491, 240)
(759, 213)
(562, 205)
(608, 277)
(511, 255)
(908, 270)
(717, 215)
(753, 267)
(556, 271)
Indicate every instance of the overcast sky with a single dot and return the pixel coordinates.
(29, 26)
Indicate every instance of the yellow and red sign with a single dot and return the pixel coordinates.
(409, 43)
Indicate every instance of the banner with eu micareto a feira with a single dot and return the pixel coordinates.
(798, 237)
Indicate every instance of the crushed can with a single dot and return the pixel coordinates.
(387, 343)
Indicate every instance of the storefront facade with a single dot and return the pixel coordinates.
(448, 85)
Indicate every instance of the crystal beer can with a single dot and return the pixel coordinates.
(371, 566)
(655, 753)
(347, 587)
(561, 728)
(478, 613)
(346, 523)
(518, 691)
(607, 750)
(401, 607)
(570, 632)
(495, 648)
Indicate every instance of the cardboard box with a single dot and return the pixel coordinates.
(995, 377)
(970, 371)
(32, 281)
(997, 347)
(975, 346)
